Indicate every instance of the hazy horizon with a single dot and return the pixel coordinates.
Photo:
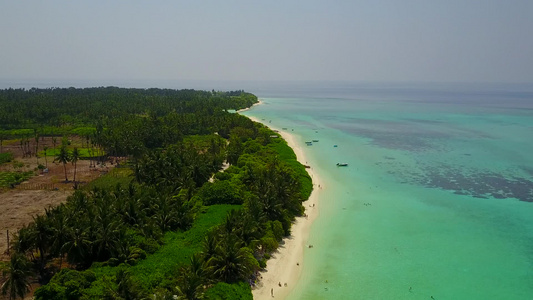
(361, 41)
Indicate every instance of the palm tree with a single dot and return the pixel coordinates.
(41, 233)
(17, 284)
(232, 262)
(2, 138)
(191, 280)
(59, 227)
(37, 147)
(22, 148)
(54, 141)
(189, 285)
(210, 243)
(63, 157)
(74, 159)
(107, 230)
(126, 287)
(77, 246)
(45, 148)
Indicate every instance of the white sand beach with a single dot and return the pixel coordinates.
(248, 108)
(285, 265)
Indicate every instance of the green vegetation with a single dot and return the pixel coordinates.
(157, 225)
(117, 176)
(224, 291)
(84, 153)
(6, 157)
(9, 179)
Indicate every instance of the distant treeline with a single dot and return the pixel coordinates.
(177, 226)
(60, 107)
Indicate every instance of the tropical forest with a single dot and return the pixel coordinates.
(125, 193)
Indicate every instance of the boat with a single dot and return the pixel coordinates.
(314, 141)
(342, 164)
(335, 146)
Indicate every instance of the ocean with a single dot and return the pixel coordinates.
(437, 199)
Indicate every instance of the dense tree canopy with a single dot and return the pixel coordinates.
(173, 207)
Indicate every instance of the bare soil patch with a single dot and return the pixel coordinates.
(18, 205)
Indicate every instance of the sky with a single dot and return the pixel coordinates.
(312, 40)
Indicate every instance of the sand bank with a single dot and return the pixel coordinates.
(285, 265)
(248, 108)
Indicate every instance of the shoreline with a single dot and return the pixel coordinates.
(248, 108)
(286, 263)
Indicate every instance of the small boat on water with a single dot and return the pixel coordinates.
(314, 141)
(335, 146)
(342, 164)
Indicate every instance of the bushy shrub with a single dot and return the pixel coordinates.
(225, 291)
(220, 192)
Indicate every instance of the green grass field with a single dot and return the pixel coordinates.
(121, 176)
(84, 152)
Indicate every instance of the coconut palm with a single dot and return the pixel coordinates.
(41, 233)
(107, 229)
(54, 141)
(60, 228)
(190, 284)
(16, 275)
(232, 262)
(37, 147)
(3, 136)
(45, 148)
(63, 157)
(126, 288)
(74, 157)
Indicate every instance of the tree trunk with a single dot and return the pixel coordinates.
(65, 167)
(75, 184)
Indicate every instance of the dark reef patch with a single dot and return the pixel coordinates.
(395, 135)
(477, 184)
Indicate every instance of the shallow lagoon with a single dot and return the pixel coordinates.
(436, 200)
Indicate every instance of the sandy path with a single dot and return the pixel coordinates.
(285, 266)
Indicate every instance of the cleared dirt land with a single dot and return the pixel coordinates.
(18, 205)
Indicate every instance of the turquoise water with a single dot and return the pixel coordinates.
(437, 200)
